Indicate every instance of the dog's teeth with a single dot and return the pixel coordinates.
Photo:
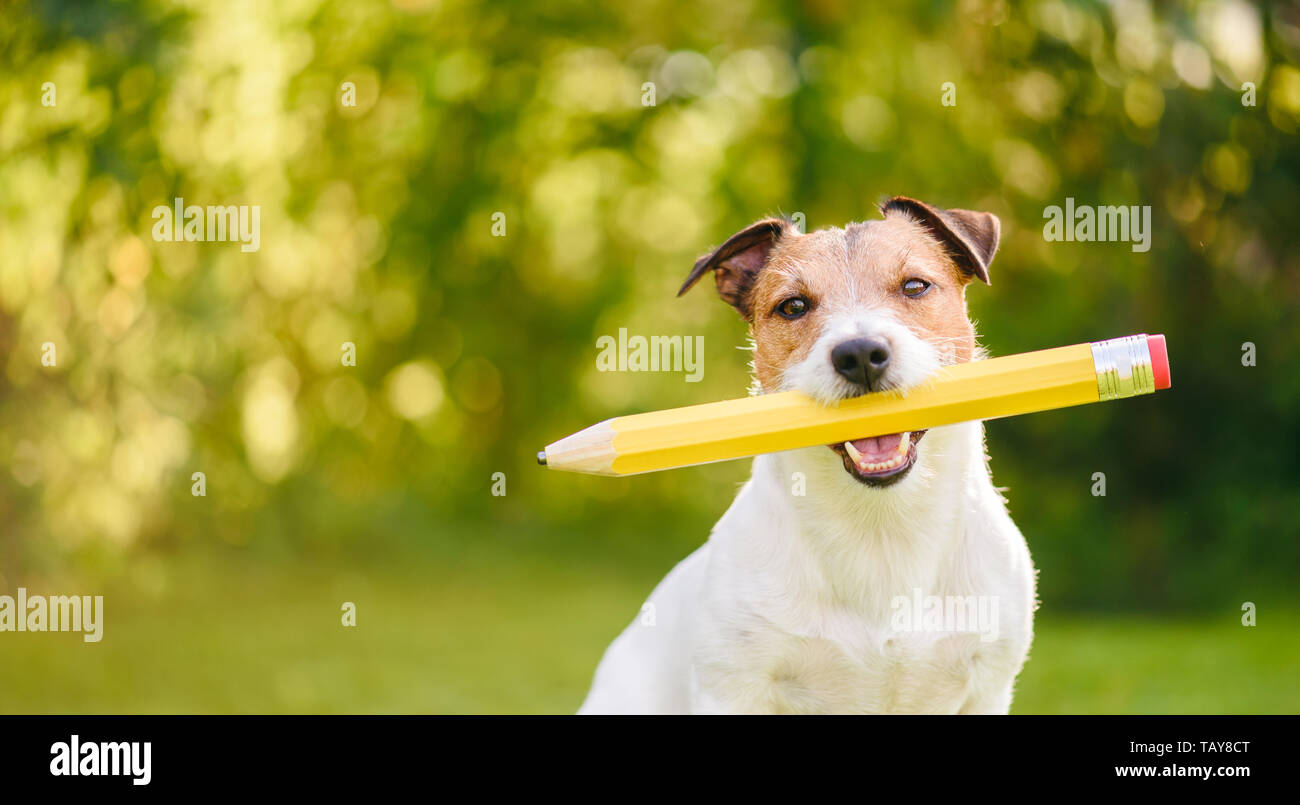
(905, 442)
(853, 452)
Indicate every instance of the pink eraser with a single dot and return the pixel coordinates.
(1159, 360)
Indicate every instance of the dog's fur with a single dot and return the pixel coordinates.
(788, 608)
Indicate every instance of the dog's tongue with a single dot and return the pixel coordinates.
(878, 448)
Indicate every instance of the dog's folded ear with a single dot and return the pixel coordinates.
(970, 237)
(737, 263)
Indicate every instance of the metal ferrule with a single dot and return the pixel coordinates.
(1123, 367)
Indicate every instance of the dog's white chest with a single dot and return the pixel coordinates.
(823, 605)
(872, 670)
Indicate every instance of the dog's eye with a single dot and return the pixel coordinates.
(793, 307)
(915, 287)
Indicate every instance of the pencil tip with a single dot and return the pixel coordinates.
(541, 457)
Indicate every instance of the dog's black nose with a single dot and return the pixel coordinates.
(862, 361)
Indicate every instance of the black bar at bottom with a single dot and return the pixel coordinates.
(332, 754)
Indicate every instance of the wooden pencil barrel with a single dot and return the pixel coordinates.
(768, 423)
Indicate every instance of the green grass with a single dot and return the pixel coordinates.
(230, 632)
(1162, 665)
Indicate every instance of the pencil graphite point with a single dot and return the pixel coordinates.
(541, 457)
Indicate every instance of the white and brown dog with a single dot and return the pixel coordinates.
(807, 596)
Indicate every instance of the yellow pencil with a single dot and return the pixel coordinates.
(768, 423)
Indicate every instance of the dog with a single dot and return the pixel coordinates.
(806, 596)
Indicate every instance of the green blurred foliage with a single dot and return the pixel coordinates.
(474, 351)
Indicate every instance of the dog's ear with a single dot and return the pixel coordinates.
(736, 263)
(970, 237)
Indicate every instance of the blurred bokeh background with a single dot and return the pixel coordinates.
(373, 483)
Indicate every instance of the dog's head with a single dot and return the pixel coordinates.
(841, 312)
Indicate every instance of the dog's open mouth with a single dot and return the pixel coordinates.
(879, 460)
